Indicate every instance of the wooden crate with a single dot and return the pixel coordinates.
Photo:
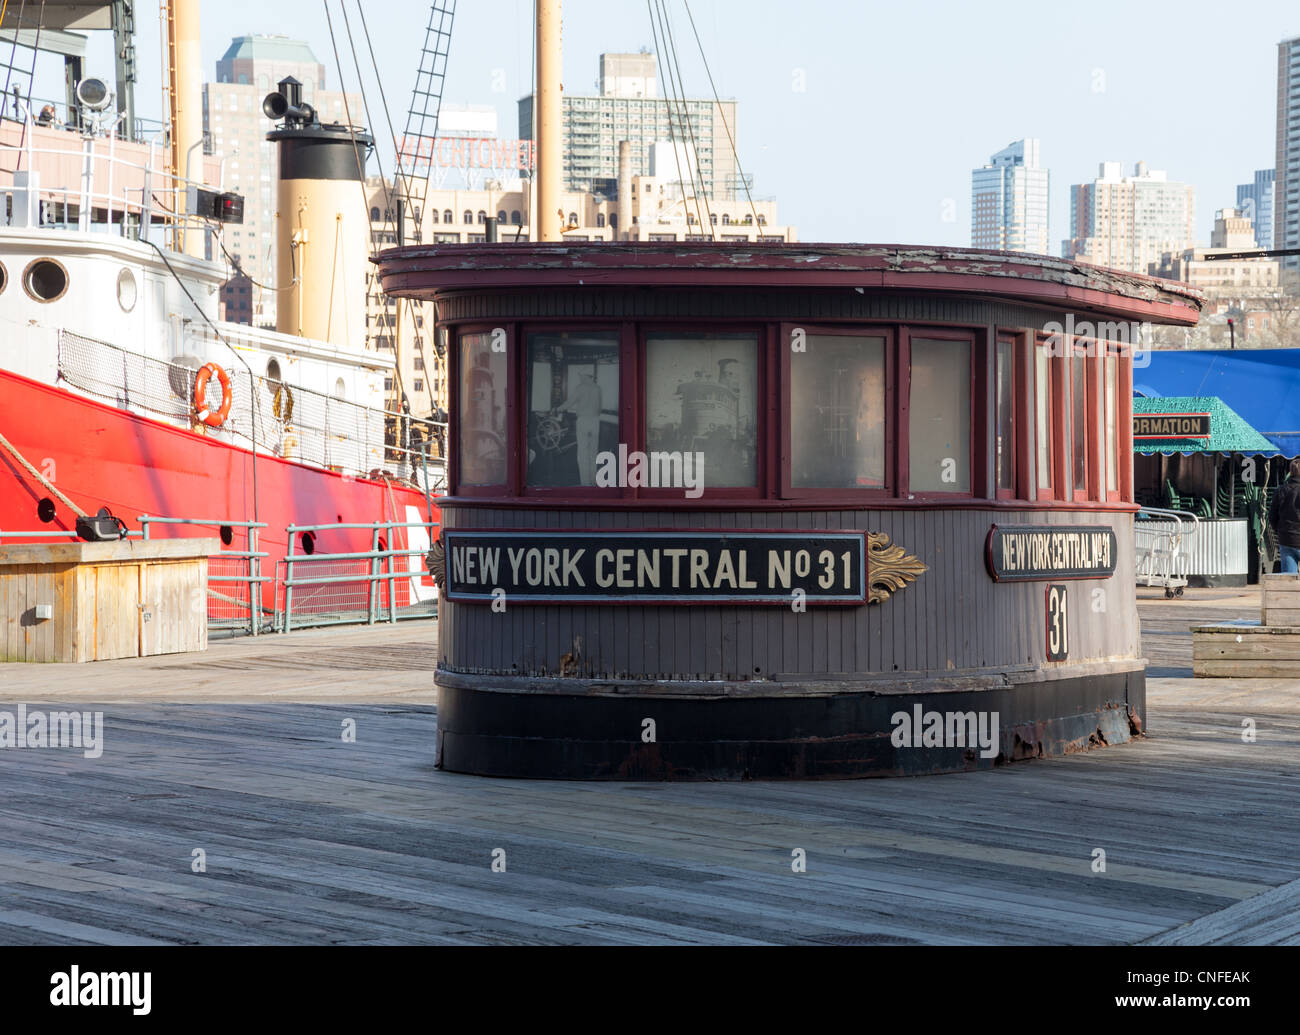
(1281, 599)
(1246, 649)
(127, 599)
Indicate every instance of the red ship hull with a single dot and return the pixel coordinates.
(100, 456)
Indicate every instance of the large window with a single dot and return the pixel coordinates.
(1079, 422)
(1043, 420)
(572, 406)
(701, 398)
(1004, 425)
(837, 412)
(1112, 424)
(939, 416)
(482, 411)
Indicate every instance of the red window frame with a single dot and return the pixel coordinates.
(510, 487)
(1014, 457)
(1039, 491)
(978, 429)
(626, 407)
(762, 354)
(788, 490)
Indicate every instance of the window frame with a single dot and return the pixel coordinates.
(1014, 458)
(977, 414)
(785, 458)
(510, 487)
(761, 329)
(626, 406)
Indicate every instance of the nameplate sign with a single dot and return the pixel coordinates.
(1151, 426)
(699, 567)
(1025, 553)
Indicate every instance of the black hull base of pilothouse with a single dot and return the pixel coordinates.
(581, 730)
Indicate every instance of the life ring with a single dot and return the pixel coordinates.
(201, 411)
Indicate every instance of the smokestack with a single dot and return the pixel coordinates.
(550, 109)
(624, 191)
(186, 67)
(322, 227)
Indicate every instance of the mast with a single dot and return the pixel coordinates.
(185, 110)
(549, 120)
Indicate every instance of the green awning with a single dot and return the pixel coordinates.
(1229, 433)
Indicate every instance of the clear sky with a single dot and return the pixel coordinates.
(864, 119)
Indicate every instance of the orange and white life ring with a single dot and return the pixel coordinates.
(213, 419)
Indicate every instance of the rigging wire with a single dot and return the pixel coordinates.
(690, 125)
(404, 179)
(677, 92)
(347, 113)
(731, 140)
(671, 90)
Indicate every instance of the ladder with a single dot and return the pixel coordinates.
(414, 163)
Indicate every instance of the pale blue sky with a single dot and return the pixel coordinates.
(900, 100)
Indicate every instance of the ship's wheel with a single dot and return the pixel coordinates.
(550, 432)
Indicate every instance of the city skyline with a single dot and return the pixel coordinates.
(1127, 84)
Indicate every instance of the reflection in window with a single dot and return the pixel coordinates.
(572, 406)
(939, 416)
(1005, 444)
(701, 391)
(837, 413)
(1043, 399)
(482, 412)
(1112, 426)
(1079, 419)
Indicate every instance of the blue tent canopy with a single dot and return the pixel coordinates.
(1262, 385)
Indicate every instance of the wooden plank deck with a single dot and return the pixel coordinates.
(309, 839)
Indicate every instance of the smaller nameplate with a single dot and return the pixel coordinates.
(1171, 425)
(697, 567)
(1023, 553)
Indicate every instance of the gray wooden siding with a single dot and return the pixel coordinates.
(954, 617)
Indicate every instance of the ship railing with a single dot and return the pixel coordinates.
(300, 424)
(14, 107)
(9, 533)
(348, 588)
(235, 604)
(139, 190)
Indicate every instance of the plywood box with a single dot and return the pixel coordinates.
(126, 599)
(1246, 650)
(1281, 599)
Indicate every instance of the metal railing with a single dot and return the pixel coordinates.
(6, 533)
(223, 608)
(293, 422)
(356, 586)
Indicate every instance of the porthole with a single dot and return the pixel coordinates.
(308, 540)
(4, 278)
(227, 535)
(127, 290)
(45, 510)
(46, 280)
(273, 371)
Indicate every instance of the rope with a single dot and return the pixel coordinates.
(40, 477)
(731, 141)
(347, 113)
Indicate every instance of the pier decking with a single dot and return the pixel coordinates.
(311, 839)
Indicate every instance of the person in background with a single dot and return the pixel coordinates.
(46, 117)
(1284, 516)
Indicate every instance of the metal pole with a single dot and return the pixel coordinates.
(374, 573)
(288, 580)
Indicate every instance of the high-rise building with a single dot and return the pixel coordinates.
(1009, 200)
(1130, 222)
(1255, 202)
(1286, 196)
(628, 108)
(236, 130)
